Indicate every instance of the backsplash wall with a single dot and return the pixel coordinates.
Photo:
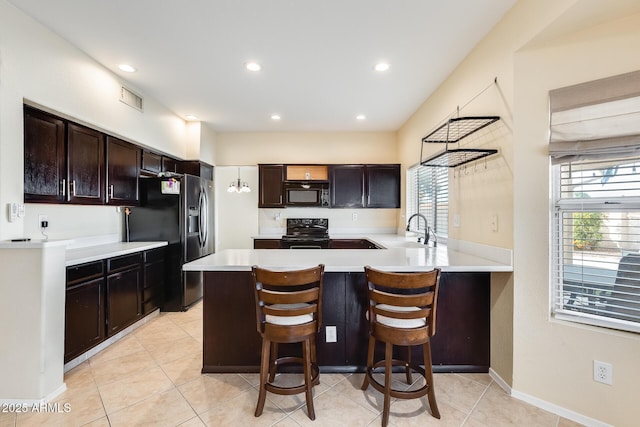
(341, 221)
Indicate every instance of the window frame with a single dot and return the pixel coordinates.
(561, 205)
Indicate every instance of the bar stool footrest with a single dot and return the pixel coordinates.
(400, 394)
(315, 377)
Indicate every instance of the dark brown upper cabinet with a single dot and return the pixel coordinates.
(86, 167)
(123, 169)
(151, 163)
(196, 168)
(63, 161)
(45, 159)
(382, 184)
(271, 178)
(365, 186)
(169, 164)
(347, 186)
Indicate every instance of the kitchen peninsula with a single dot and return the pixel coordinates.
(462, 341)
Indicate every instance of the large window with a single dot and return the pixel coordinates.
(428, 194)
(594, 147)
(596, 254)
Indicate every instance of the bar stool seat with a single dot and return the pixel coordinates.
(401, 312)
(288, 310)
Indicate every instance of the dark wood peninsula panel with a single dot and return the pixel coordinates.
(461, 343)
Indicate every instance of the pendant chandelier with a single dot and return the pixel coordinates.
(238, 186)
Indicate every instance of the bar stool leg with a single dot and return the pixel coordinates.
(388, 354)
(308, 382)
(407, 366)
(264, 371)
(428, 373)
(272, 361)
(372, 344)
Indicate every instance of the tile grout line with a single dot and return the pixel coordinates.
(486, 390)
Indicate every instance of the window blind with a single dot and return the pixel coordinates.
(429, 195)
(596, 234)
(599, 119)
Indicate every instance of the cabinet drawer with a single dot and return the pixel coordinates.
(124, 262)
(83, 272)
(154, 255)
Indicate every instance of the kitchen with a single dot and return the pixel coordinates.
(514, 186)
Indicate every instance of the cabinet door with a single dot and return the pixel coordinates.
(383, 186)
(151, 162)
(84, 317)
(154, 274)
(347, 186)
(266, 244)
(123, 299)
(86, 165)
(44, 157)
(169, 164)
(271, 178)
(123, 168)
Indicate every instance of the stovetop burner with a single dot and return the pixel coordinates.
(306, 233)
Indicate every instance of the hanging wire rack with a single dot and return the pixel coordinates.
(451, 132)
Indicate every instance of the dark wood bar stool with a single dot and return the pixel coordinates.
(402, 312)
(288, 310)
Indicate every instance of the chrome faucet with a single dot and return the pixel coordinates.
(427, 229)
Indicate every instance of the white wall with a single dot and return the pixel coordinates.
(553, 360)
(38, 66)
(538, 46)
(237, 213)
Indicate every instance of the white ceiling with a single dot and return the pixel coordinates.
(317, 56)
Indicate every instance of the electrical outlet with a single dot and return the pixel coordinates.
(331, 334)
(456, 220)
(354, 217)
(43, 219)
(602, 372)
(494, 222)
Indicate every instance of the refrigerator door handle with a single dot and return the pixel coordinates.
(202, 214)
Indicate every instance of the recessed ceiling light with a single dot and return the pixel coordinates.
(191, 117)
(252, 66)
(127, 68)
(361, 117)
(381, 66)
(275, 117)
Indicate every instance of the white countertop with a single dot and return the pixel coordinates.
(97, 252)
(402, 254)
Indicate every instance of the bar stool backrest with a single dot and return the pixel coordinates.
(405, 301)
(288, 303)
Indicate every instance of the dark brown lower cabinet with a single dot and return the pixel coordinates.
(124, 290)
(84, 309)
(154, 274)
(232, 343)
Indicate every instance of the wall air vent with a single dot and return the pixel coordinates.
(131, 99)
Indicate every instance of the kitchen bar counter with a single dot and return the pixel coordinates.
(232, 344)
(401, 254)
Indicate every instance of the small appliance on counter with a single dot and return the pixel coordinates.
(306, 233)
(178, 210)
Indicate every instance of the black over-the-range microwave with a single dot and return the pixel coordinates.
(306, 193)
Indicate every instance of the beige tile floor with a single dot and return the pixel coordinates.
(152, 377)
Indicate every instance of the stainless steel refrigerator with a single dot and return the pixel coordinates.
(178, 210)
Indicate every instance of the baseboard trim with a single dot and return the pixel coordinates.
(547, 406)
